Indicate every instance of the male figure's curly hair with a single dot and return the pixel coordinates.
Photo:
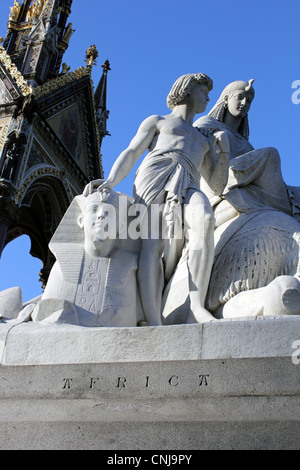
(184, 84)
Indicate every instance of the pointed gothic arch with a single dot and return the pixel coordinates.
(40, 211)
(39, 173)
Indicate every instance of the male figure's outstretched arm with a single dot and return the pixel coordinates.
(127, 159)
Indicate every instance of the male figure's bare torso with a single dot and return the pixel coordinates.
(177, 134)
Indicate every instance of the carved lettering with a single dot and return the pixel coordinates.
(93, 307)
(203, 380)
(174, 381)
(121, 382)
(93, 382)
(67, 383)
(91, 283)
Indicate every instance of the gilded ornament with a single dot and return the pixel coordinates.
(14, 11)
(91, 56)
(14, 72)
(35, 10)
(56, 83)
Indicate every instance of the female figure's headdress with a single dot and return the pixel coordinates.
(218, 111)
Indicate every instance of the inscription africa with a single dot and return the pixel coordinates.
(122, 382)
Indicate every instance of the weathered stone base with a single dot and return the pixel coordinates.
(162, 436)
(221, 385)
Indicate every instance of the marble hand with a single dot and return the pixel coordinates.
(92, 186)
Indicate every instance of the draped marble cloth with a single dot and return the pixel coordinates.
(164, 173)
(164, 177)
(259, 240)
(247, 166)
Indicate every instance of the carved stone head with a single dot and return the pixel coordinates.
(218, 111)
(99, 217)
(183, 86)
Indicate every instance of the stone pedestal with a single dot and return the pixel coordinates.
(221, 385)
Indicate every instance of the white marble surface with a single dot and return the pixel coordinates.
(229, 384)
(32, 343)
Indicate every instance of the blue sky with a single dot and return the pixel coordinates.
(149, 45)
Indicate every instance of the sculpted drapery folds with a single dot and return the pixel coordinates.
(170, 176)
(255, 270)
(225, 241)
(93, 281)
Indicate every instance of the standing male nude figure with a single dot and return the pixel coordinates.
(171, 171)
